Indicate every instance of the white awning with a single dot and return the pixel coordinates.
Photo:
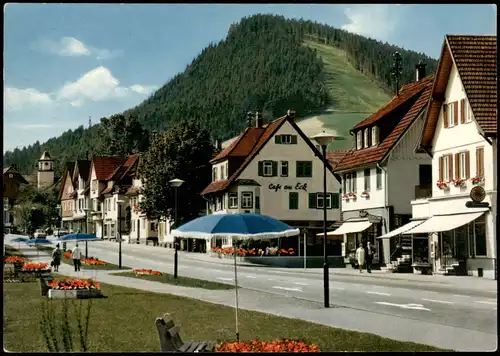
(349, 227)
(439, 223)
(401, 230)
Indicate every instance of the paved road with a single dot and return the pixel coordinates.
(455, 317)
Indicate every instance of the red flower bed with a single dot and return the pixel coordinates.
(67, 255)
(35, 266)
(250, 252)
(16, 259)
(92, 261)
(151, 272)
(283, 345)
(71, 284)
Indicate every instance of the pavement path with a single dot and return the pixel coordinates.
(440, 313)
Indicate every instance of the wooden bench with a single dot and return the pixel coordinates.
(170, 338)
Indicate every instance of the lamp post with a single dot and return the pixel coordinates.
(323, 139)
(119, 230)
(58, 209)
(175, 183)
(86, 210)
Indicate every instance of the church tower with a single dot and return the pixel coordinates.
(45, 170)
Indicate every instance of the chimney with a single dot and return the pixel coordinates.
(259, 122)
(249, 119)
(291, 114)
(420, 71)
(218, 144)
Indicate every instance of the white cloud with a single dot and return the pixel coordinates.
(71, 47)
(33, 126)
(99, 84)
(17, 99)
(375, 21)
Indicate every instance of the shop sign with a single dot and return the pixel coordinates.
(298, 186)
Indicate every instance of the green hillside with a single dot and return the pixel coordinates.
(266, 63)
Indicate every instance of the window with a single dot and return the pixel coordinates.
(233, 200)
(152, 227)
(11, 176)
(347, 185)
(374, 136)
(222, 173)
(112, 230)
(461, 165)
(286, 139)
(379, 178)
(480, 236)
(367, 180)
(359, 140)
(465, 111)
(304, 169)
(268, 168)
(246, 200)
(293, 200)
(214, 174)
(284, 169)
(480, 162)
(367, 138)
(5, 203)
(335, 200)
(105, 228)
(320, 200)
(114, 203)
(450, 113)
(445, 168)
(354, 187)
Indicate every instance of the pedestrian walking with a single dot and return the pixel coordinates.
(370, 251)
(56, 258)
(360, 256)
(76, 255)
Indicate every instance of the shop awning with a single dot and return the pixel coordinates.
(401, 230)
(349, 227)
(439, 223)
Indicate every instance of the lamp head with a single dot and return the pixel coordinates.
(324, 138)
(176, 183)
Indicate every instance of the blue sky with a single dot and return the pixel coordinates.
(64, 64)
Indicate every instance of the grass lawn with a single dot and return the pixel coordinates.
(179, 281)
(125, 322)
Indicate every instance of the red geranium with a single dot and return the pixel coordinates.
(16, 259)
(283, 345)
(92, 261)
(73, 284)
(151, 272)
(29, 266)
(67, 255)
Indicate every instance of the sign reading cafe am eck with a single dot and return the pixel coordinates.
(298, 186)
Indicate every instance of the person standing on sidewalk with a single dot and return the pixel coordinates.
(370, 250)
(360, 256)
(76, 255)
(56, 258)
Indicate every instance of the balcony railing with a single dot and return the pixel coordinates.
(423, 191)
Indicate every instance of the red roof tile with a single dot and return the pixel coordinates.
(105, 166)
(215, 186)
(132, 191)
(355, 158)
(107, 190)
(335, 156)
(242, 146)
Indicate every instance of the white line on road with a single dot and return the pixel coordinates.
(270, 279)
(486, 302)
(437, 301)
(224, 279)
(300, 284)
(379, 293)
(253, 277)
(461, 296)
(286, 288)
(405, 306)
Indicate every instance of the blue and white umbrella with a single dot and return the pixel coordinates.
(38, 241)
(237, 227)
(79, 236)
(19, 240)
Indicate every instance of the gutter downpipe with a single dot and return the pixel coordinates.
(386, 201)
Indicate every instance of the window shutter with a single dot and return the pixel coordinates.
(450, 171)
(312, 200)
(261, 168)
(277, 139)
(275, 169)
(441, 166)
(294, 139)
(445, 116)
(335, 199)
(480, 162)
(467, 164)
(457, 165)
(455, 113)
(462, 111)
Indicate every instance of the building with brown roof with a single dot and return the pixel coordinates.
(277, 171)
(12, 181)
(381, 174)
(460, 134)
(67, 196)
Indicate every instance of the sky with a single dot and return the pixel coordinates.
(67, 63)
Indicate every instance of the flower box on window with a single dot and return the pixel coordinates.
(352, 196)
(345, 196)
(442, 185)
(458, 182)
(477, 180)
(365, 194)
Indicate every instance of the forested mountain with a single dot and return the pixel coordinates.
(266, 63)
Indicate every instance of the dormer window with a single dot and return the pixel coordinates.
(222, 173)
(214, 174)
(375, 135)
(286, 139)
(359, 140)
(367, 137)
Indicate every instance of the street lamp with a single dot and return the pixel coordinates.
(58, 209)
(323, 139)
(86, 210)
(119, 202)
(175, 183)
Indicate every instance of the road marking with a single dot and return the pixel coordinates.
(225, 279)
(253, 277)
(437, 301)
(270, 279)
(291, 289)
(300, 284)
(461, 296)
(405, 306)
(379, 293)
(486, 302)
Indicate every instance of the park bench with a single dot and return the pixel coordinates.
(170, 338)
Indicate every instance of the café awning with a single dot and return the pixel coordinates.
(401, 230)
(349, 227)
(439, 223)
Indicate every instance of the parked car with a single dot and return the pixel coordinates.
(39, 234)
(60, 233)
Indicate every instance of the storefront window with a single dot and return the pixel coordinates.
(351, 242)
(446, 247)
(480, 236)
(421, 248)
(461, 235)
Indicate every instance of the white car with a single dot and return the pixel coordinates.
(60, 232)
(39, 234)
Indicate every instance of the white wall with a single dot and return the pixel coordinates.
(376, 198)
(276, 204)
(421, 209)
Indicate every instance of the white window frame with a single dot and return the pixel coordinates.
(284, 164)
(267, 165)
(246, 200)
(222, 172)
(359, 140)
(451, 115)
(286, 139)
(233, 200)
(367, 182)
(446, 168)
(462, 171)
(214, 174)
(348, 186)
(374, 136)
(467, 111)
(319, 200)
(366, 135)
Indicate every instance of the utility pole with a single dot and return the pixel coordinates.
(397, 69)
